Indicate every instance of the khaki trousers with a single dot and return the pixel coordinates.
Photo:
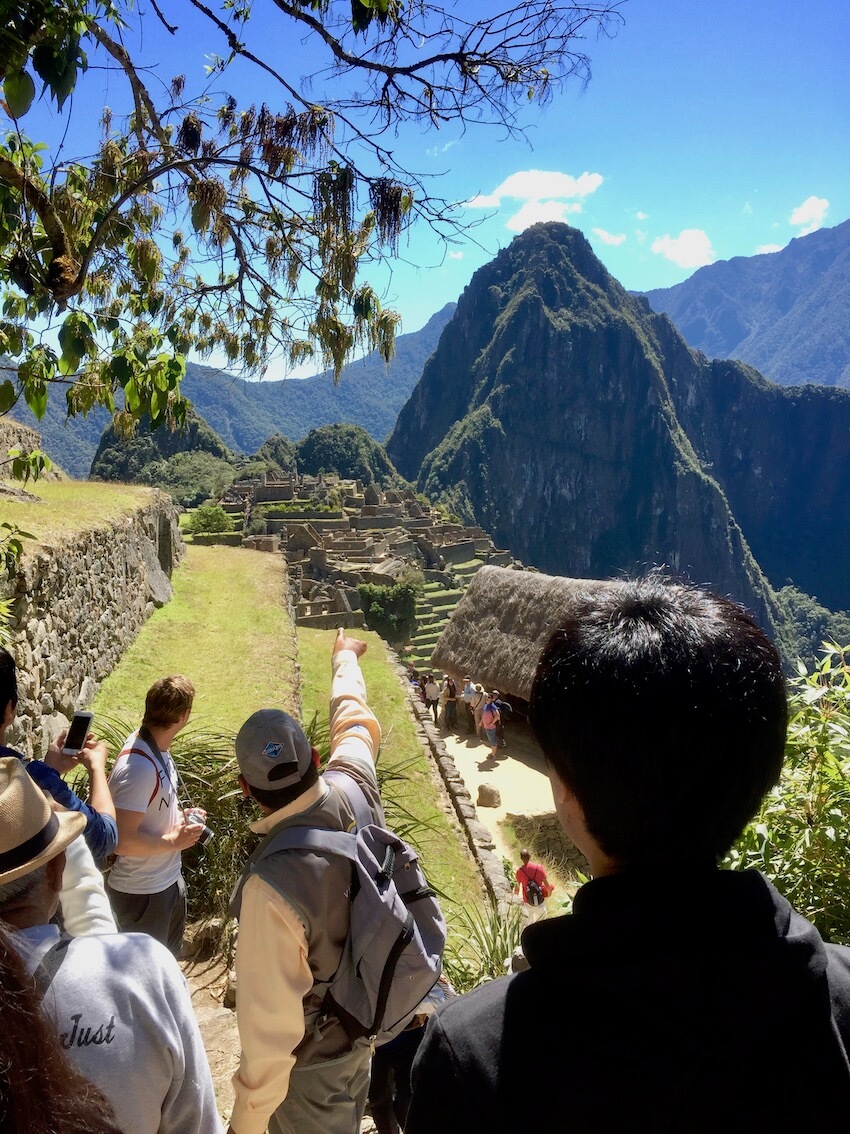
(325, 1098)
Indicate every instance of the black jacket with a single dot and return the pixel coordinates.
(696, 1003)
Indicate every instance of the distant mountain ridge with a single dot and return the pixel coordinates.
(245, 414)
(787, 313)
(582, 431)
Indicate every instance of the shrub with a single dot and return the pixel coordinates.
(390, 610)
(800, 837)
(209, 518)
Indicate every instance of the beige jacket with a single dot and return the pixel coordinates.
(273, 972)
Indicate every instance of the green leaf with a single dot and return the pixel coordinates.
(36, 398)
(19, 91)
(131, 394)
(121, 369)
(8, 397)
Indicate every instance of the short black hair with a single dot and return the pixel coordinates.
(282, 797)
(8, 681)
(664, 709)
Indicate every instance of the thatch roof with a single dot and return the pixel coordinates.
(502, 623)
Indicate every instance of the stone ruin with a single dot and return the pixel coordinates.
(337, 534)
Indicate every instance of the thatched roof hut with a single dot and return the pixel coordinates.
(502, 623)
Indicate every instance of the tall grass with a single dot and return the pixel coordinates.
(480, 944)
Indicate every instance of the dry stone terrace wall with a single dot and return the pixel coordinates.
(16, 436)
(545, 838)
(79, 605)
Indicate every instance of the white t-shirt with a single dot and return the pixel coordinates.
(139, 783)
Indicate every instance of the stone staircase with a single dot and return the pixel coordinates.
(434, 607)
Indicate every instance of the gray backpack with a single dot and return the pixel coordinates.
(393, 954)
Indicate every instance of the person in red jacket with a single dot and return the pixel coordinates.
(533, 873)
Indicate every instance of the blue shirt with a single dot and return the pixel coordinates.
(101, 832)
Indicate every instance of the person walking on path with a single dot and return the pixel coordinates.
(532, 881)
(490, 717)
(477, 702)
(299, 1072)
(432, 696)
(505, 711)
(146, 886)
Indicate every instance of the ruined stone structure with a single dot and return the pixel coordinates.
(337, 534)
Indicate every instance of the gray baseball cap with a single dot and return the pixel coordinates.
(272, 750)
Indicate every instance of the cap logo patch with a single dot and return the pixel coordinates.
(272, 749)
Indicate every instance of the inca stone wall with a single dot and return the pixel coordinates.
(79, 605)
(544, 836)
(16, 436)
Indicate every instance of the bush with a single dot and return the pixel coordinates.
(209, 518)
(800, 837)
(390, 610)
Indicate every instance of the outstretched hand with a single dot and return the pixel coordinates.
(344, 642)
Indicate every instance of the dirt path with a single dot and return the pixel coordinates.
(517, 771)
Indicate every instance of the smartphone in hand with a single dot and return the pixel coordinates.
(75, 741)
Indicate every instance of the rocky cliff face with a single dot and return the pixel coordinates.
(586, 435)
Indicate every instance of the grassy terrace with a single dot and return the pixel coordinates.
(65, 507)
(228, 631)
(448, 866)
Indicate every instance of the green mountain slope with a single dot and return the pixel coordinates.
(582, 431)
(245, 414)
(786, 313)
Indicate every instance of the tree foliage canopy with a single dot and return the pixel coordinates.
(348, 451)
(197, 221)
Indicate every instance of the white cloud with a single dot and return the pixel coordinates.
(641, 216)
(435, 151)
(455, 255)
(610, 237)
(810, 215)
(540, 186)
(641, 236)
(690, 249)
(537, 185)
(482, 201)
(747, 209)
(763, 249)
(538, 212)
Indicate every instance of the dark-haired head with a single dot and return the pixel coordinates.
(663, 709)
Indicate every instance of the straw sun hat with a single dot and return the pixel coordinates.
(30, 832)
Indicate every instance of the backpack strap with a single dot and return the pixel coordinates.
(141, 752)
(50, 963)
(319, 839)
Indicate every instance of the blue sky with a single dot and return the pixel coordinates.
(708, 130)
